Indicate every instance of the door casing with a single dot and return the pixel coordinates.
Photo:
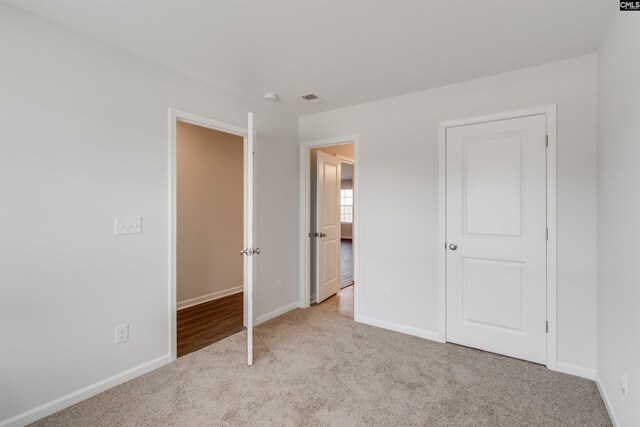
(304, 279)
(550, 111)
(176, 115)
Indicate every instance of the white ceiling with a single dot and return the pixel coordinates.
(347, 52)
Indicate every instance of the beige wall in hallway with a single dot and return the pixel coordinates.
(210, 212)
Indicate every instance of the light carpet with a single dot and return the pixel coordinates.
(316, 367)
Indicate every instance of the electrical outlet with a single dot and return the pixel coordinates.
(278, 285)
(128, 225)
(122, 334)
(623, 387)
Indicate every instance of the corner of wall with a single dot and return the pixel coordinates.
(607, 402)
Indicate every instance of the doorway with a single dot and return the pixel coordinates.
(209, 227)
(331, 216)
(498, 221)
(346, 223)
(212, 218)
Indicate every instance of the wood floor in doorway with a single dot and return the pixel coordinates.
(209, 322)
(346, 263)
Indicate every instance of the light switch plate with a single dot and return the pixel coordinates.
(128, 225)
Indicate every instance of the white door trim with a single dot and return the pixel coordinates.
(176, 115)
(552, 285)
(304, 290)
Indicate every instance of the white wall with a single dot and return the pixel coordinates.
(398, 191)
(210, 207)
(84, 138)
(618, 216)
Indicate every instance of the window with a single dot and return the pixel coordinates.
(346, 205)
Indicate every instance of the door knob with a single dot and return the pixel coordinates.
(453, 246)
(323, 235)
(250, 251)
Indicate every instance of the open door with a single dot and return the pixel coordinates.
(249, 250)
(327, 232)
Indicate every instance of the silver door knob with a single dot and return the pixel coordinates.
(453, 246)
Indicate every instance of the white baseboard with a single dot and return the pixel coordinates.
(276, 313)
(433, 336)
(578, 371)
(209, 297)
(607, 403)
(60, 403)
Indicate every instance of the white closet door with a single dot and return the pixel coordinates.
(496, 236)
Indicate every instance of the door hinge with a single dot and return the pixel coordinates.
(547, 326)
(546, 140)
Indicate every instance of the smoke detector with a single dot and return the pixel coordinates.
(313, 98)
(270, 96)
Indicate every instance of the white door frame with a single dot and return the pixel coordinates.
(176, 115)
(304, 290)
(552, 284)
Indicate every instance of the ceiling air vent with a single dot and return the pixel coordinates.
(313, 98)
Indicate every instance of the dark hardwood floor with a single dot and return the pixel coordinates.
(346, 263)
(206, 323)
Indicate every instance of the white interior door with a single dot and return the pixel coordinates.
(496, 236)
(327, 226)
(249, 250)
